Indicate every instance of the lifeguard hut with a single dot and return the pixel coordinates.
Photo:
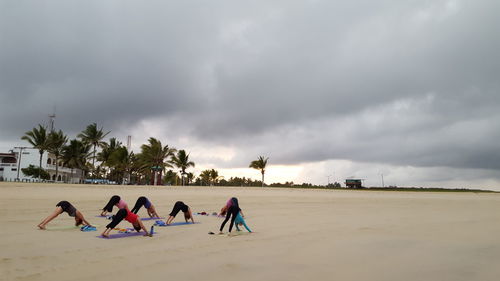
(354, 183)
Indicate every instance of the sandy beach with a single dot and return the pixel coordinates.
(299, 235)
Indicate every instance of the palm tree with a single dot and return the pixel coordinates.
(206, 177)
(92, 135)
(260, 164)
(75, 155)
(189, 177)
(155, 158)
(214, 176)
(107, 150)
(57, 141)
(170, 177)
(38, 138)
(121, 161)
(181, 161)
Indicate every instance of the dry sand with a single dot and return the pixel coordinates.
(299, 235)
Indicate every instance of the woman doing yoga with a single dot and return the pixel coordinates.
(180, 206)
(128, 216)
(64, 206)
(143, 201)
(115, 200)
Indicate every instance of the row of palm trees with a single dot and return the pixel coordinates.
(116, 162)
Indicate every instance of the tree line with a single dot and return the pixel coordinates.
(98, 159)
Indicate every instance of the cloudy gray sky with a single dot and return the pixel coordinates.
(407, 89)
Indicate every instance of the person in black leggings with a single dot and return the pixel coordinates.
(128, 216)
(232, 212)
(64, 206)
(143, 201)
(180, 206)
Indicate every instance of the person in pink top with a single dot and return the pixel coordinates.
(115, 200)
(224, 209)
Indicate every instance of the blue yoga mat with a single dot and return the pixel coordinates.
(178, 223)
(148, 219)
(124, 235)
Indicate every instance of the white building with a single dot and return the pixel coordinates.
(11, 166)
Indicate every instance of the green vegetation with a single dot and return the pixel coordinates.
(112, 161)
(93, 136)
(36, 172)
(38, 138)
(260, 164)
(181, 161)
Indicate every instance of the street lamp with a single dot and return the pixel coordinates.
(328, 180)
(21, 148)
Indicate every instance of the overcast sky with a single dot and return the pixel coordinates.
(326, 89)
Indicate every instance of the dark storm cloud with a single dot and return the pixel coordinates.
(398, 82)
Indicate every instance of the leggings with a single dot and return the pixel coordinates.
(231, 212)
(141, 201)
(179, 206)
(120, 215)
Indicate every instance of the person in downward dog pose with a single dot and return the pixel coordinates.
(143, 201)
(115, 200)
(224, 209)
(180, 206)
(128, 216)
(65, 206)
(232, 212)
(240, 221)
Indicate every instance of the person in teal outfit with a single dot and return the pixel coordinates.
(240, 221)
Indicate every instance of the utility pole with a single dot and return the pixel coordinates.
(21, 148)
(52, 117)
(129, 146)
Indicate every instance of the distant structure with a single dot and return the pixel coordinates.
(52, 118)
(129, 143)
(12, 163)
(354, 183)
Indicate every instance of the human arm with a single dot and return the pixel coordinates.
(143, 227)
(152, 212)
(223, 211)
(80, 216)
(190, 215)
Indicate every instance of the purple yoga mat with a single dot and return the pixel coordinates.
(123, 235)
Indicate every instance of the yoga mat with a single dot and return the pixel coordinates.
(178, 223)
(124, 235)
(148, 219)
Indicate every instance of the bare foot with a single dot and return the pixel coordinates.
(105, 235)
(42, 227)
